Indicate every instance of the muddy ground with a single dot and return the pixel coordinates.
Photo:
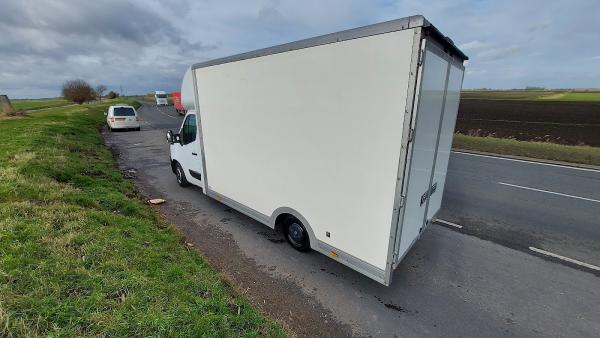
(570, 123)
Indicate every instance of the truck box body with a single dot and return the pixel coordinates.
(349, 132)
(177, 102)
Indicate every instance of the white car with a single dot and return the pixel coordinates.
(122, 117)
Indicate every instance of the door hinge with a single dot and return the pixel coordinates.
(411, 135)
(402, 201)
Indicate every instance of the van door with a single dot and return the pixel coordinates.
(447, 125)
(190, 150)
(430, 104)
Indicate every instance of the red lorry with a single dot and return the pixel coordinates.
(177, 103)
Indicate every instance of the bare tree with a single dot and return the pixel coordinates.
(77, 91)
(99, 91)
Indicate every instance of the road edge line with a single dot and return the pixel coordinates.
(566, 259)
(529, 160)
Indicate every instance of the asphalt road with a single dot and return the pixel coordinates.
(450, 284)
(523, 204)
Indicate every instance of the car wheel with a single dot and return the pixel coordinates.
(296, 234)
(180, 175)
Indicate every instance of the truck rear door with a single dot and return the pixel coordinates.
(418, 184)
(455, 78)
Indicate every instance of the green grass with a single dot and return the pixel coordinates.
(580, 97)
(504, 94)
(82, 255)
(540, 150)
(39, 104)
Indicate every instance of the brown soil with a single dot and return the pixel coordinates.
(571, 123)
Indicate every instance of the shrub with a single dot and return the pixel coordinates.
(77, 91)
(112, 95)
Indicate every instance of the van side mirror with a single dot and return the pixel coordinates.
(106, 113)
(173, 138)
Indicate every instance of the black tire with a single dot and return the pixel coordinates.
(138, 129)
(180, 175)
(296, 234)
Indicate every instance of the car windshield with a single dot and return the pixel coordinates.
(123, 111)
(161, 96)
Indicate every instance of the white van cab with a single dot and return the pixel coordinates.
(161, 98)
(185, 147)
(122, 117)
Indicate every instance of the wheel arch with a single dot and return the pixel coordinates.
(173, 165)
(279, 213)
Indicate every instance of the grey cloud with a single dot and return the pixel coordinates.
(91, 20)
(473, 45)
(539, 26)
(110, 42)
(499, 53)
(91, 23)
(147, 44)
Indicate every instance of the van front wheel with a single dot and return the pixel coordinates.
(180, 174)
(296, 234)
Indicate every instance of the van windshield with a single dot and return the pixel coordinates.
(161, 96)
(123, 111)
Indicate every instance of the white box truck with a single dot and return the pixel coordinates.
(341, 141)
(161, 98)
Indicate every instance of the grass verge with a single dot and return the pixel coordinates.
(81, 254)
(580, 97)
(39, 104)
(540, 150)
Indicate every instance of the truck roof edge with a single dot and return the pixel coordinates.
(354, 33)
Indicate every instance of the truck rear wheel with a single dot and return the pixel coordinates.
(180, 174)
(296, 234)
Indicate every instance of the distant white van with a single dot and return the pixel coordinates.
(161, 98)
(122, 117)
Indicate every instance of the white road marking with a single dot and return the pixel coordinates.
(165, 114)
(566, 259)
(528, 162)
(549, 192)
(448, 223)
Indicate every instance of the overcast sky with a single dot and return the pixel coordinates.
(146, 45)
